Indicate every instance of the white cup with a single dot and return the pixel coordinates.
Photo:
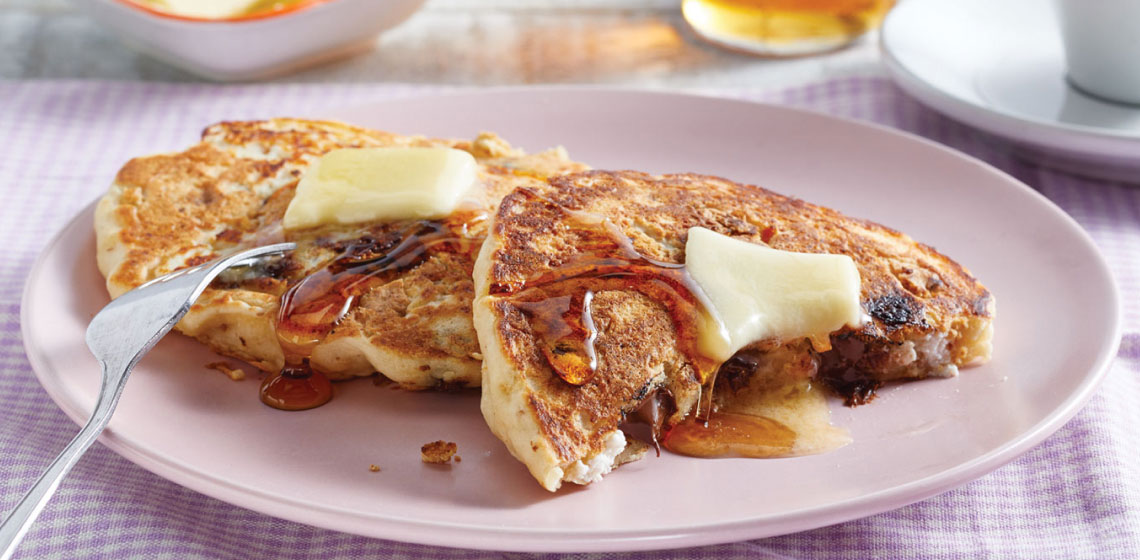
(1102, 46)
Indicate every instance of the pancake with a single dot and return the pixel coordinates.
(608, 239)
(412, 323)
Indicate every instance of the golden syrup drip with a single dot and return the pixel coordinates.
(705, 398)
(724, 434)
(312, 308)
(555, 301)
(296, 389)
(566, 326)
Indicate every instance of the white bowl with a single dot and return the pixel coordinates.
(256, 46)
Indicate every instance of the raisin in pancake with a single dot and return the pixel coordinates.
(168, 211)
(928, 316)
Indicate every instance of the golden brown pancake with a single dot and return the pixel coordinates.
(601, 232)
(411, 322)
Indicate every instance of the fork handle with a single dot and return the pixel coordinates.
(17, 522)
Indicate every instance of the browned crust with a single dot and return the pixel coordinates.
(169, 199)
(908, 288)
(232, 188)
(572, 418)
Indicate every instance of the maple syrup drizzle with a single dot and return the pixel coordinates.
(311, 308)
(557, 302)
(557, 305)
(567, 323)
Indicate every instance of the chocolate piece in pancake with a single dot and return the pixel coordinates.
(927, 315)
(412, 323)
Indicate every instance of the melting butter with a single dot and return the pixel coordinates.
(381, 184)
(755, 293)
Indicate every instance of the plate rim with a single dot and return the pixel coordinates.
(540, 540)
(1008, 125)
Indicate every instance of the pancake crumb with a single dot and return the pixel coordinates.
(635, 450)
(234, 373)
(458, 459)
(438, 452)
(374, 468)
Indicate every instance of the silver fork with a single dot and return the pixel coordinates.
(119, 335)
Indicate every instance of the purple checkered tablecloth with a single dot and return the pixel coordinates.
(1077, 495)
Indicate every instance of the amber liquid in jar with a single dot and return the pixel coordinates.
(784, 27)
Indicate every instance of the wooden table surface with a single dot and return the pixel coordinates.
(462, 42)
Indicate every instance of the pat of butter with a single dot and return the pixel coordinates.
(757, 293)
(351, 186)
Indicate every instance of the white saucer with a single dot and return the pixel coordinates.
(999, 66)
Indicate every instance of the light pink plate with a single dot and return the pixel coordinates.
(1057, 330)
